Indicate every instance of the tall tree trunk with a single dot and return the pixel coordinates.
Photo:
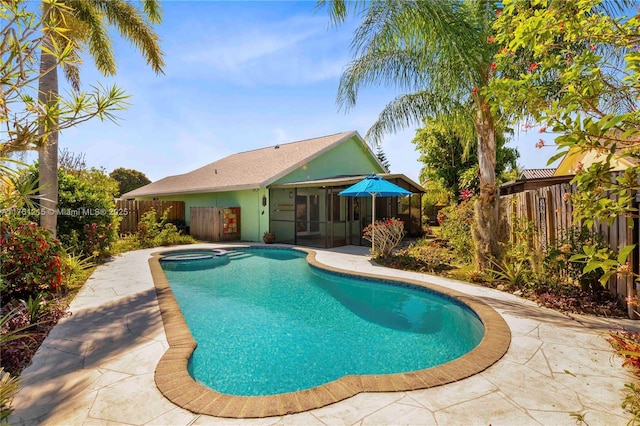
(48, 150)
(487, 219)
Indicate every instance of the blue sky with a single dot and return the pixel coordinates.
(239, 76)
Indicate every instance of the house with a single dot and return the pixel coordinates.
(291, 190)
(576, 158)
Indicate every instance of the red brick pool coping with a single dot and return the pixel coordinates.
(175, 383)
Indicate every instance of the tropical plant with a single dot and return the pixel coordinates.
(82, 23)
(25, 121)
(35, 306)
(441, 54)
(78, 263)
(9, 385)
(15, 192)
(149, 226)
(573, 67)
(8, 333)
(565, 258)
(169, 235)
(514, 273)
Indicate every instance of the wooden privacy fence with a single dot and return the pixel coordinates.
(550, 209)
(215, 223)
(131, 212)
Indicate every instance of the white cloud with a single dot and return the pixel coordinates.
(295, 50)
(238, 50)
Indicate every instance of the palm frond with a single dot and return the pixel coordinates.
(338, 10)
(99, 42)
(407, 110)
(153, 10)
(131, 24)
(413, 46)
(72, 74)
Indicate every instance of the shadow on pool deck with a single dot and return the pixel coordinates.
(87, 340)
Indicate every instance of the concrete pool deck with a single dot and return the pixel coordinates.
(97, 366)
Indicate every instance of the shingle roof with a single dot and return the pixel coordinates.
(245, 170)
(536, 173)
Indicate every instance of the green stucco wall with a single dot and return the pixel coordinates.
(349, 158)
(252, 222)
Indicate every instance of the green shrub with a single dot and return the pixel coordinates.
(93, 191)
(149, 227)
(129, 242)
(170, 236)
(423, 256)
(455, 226)
(30, 260)
(87, 223)
(153, 233)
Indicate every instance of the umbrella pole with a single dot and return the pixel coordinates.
(373, 222)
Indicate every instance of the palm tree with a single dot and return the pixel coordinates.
(440, 54)
(85, 23)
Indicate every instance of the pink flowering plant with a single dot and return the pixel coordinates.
(385, 235)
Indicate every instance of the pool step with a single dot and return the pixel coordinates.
(238, 255)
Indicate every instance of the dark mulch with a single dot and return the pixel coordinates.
(602, 304)
(565, 298)
(16, 354)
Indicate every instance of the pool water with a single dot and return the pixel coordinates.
(266, 322)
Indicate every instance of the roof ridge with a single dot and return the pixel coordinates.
(266, 148)
(292, 142)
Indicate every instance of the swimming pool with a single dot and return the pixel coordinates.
(266, 322)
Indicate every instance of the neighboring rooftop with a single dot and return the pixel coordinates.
(533, 179)
(536, 174)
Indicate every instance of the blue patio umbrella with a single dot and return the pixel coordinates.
(374, 186)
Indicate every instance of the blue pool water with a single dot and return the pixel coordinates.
(267, 322)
